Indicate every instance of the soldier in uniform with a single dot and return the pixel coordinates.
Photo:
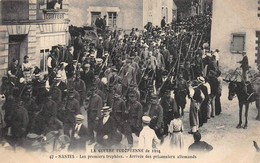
(72, 108)
(155, 111)
(118, 111)
(182, 90)
(127, 75)
(31, 106)
(134, 111)
(94, 107)
(80, 87)
(169, 108)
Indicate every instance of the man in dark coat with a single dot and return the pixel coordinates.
(163, 23)
(134, 121)
(80, 87)
(94, 107)
(107, 134)
(155, 111)
(182, 90)
(99, 22)
(31, 107)
(214, 84)
(169, 108)
(80, 135)
(118, 111)
(199, 146)
(48, 108)
(19, 122)
(244, 66)
(87, 76)
(72, 108)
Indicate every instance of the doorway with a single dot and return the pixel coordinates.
(18, 48)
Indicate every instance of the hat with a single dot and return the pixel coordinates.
(25, 57)
(132, 85)
(146, 119)
(79, 117)
(22, 80)
(106, 108)
(58, 76)
(99, 60)
(195, 83)
(113, 68)
(37, 75)
(131, 57)
(257, 80)
(201, 79)
(87, 65)
(93, 88)
(165, 73)
(131, 94)
(154, 96)
(128, 60)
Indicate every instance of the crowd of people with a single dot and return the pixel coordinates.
(127, 83)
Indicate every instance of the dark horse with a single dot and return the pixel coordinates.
(244, 98)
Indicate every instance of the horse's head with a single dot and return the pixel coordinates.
(232, 90)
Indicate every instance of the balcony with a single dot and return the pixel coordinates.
(55, 14)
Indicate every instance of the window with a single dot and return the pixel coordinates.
(163, 12)
(238, 43)
(112, 19)
(17, 10)
(54, 4)
(44, 54)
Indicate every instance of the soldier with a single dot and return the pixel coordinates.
(118, 111)
(127, 75)
(182, 90)
(133, 88)
(155, 111)
(94, 107)
(19, 123)
(80, 87)
(31, 107)
(169, 108)
(133, 123)
(72, 108)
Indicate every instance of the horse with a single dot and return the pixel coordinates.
(244, 98)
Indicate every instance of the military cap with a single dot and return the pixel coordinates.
(154, 96)
(146, 119)
(131, 94)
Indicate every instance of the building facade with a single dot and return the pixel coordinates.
(236, 29)
(122, 14)
(31, 27)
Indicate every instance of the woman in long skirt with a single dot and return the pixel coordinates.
(175, 130)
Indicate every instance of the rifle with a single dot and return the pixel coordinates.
(172, 69)
(103, 66)
(192, 36)
(142, 76)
